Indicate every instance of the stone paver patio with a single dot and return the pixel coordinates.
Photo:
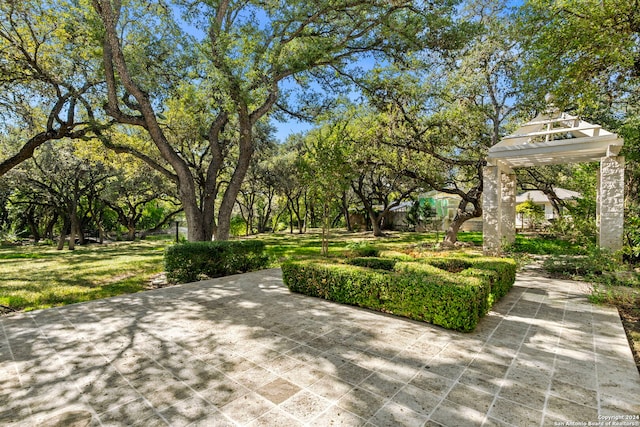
(243, 350)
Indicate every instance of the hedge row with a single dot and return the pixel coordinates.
(188, 262)
(371, 262)
(417, 290)
(500, 272)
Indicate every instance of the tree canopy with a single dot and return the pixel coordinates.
(404, 97)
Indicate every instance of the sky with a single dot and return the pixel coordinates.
(287, 127)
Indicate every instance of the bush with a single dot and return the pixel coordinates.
(238, 226)
(375, 263)
(452, 265)
(189, 262)
(416, 290)
(363, 249)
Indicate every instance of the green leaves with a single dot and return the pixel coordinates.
(580, 49)
(420, 290)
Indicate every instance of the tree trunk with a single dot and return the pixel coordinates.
(198, 230)
(451, 236)
(375, 223)
(48, 232)
(80, 233)
(290, 218)
(131, 232)
(345, 209)
(462, 215)
(276, 221)
(63, 233)
(30, 217)
(325, 228)
(72, 230)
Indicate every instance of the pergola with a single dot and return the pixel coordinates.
(553, 137)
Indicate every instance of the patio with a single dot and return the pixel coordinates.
(243, 350)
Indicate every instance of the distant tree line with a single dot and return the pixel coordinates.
(118, 116)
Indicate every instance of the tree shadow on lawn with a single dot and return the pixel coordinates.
(69, 277)
(243, 347)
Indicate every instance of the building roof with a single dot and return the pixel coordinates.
(537, 196)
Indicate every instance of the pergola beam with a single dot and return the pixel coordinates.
(517, 150)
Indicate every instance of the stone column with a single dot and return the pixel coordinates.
(491, 201)
(508, 208)
(611, 202)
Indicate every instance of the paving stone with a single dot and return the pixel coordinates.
(361, 402)
(224, 392)
(304, 375)
(188, 411)
(305, 406)
(470, 397)
(533, 378)
(515, 414)
(575, 393)
(453, 414)
(393, 414)
(167, 393)
(448, 368)
(417, 399)
(275, 417)
(128, 414)
(570, 411)
(337, 416)
(616, 405)
(480, 380)
(69, 416)
(352, 373)
(330, 387)
(524, 395)
(492, 422)
(382, 385)
(432, 382)
(231, 343)
(571, 376)
(253, 378)
(279, 390)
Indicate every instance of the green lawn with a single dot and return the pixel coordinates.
(36, 277)
(284, 245)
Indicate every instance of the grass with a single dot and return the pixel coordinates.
(283, 246)
(36, 277)
(536, 244)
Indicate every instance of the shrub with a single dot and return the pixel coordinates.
(499, 272)
(363, 249)
(452, 265)
(238, 226)
(375, 263)
(416, 290)
(188, 262)
(442, 298)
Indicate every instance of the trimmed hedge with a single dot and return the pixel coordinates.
(375, 263)
(499, 272)
(417, 290)
(189, 262)
(363, 249)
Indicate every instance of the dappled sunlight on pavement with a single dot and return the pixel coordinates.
(243, 350)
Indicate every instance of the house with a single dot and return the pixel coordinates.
(540, 199)
(445, 205)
